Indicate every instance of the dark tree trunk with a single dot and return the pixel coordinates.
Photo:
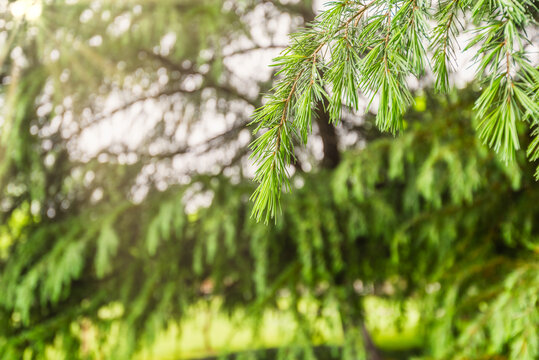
(353, 319)
(332, 156)
(373, 353)
(371, 350)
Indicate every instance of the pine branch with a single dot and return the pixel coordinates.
(372, 48)
(444, 36)
(505, 99)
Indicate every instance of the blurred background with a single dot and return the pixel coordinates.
(125, 229)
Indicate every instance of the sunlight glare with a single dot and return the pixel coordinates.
(27, 9)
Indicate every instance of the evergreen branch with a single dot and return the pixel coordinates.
(505, 99)
(285, 110)
(444, 35)
(383, 70)
(375, 52)
(273, 151)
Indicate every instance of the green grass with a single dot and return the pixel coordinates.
(207, 331)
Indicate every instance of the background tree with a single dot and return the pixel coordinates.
(146, 228)
(70, 73)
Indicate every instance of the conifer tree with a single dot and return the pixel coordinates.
(430, 216)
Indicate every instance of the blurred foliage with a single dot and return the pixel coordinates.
(431, 216)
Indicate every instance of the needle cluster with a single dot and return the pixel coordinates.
(370, 49)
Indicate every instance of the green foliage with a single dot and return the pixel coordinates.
(430, 216)
(107, 247)
(95, 270)
(370, 49)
